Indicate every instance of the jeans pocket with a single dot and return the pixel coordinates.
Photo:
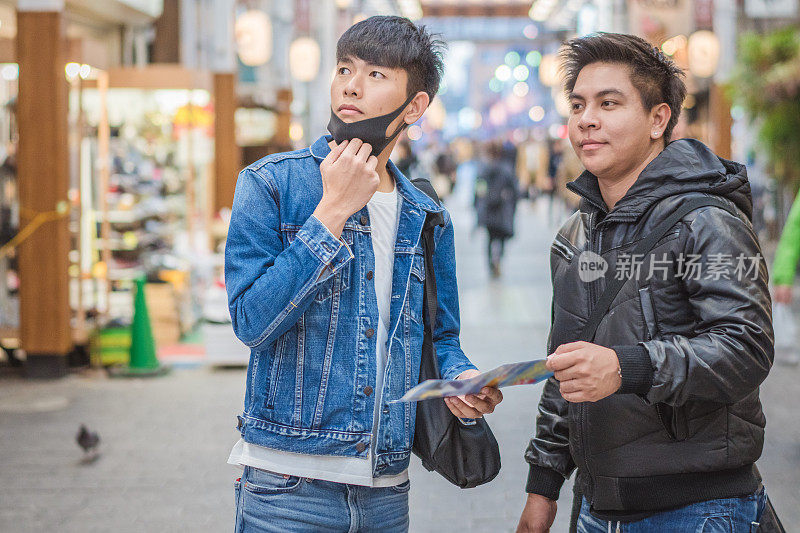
(257, 481)
(716, 524)
(402, 488)
(237, 491)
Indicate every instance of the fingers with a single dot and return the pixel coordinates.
(482, 405)
(570, 387)
(575, 397)
(364, 152)
(492, 394)
(461, 409)
(568, 374)
(372, 162)
(337, 151)
(352, 148)
(570, 347)
(562, 361)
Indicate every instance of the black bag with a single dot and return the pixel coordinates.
(465, 455)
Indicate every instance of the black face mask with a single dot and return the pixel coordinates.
(370, 130)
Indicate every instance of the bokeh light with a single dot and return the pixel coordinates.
(415, 133)
(533, 58)
(512, 59)
(536, 113)
(503, 73)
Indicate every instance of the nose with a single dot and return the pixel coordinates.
(353, 87)
(589, 118)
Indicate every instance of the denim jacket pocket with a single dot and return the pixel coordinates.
(275, 370)
(417, 287)
(337, 282)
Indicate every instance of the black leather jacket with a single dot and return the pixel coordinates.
(687, 423)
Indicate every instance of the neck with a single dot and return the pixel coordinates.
(387, 181)
(614, 188)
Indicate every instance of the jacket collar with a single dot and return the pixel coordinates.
(320, 150)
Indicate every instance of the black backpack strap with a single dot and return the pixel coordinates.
(643, 248)
(428, 245)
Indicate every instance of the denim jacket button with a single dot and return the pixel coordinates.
(369, 275)
(360, 447)
(368, 390)
(364, 220)
(370, 333)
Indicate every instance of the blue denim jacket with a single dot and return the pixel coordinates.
(302, 301)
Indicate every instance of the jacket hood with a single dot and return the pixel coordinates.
(684, 166)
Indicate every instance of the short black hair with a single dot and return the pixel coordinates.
(655, 76)
(396, 42)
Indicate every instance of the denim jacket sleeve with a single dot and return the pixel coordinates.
(452, 360)
(269, 287)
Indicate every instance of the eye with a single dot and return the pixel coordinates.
(344, 70)
(376, 74)
(576, 106)
(608, 103)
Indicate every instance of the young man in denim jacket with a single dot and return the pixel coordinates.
(325, 276)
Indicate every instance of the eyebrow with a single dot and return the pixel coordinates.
(601, 94)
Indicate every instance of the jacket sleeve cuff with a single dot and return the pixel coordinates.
(329, 250)
(544, 481)
(454, 371)
(636, 369)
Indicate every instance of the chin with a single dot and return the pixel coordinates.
(593, 164)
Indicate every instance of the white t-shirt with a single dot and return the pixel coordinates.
(383, 213)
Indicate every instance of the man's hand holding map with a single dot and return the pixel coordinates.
(525, 373)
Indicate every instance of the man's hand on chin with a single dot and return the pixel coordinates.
(474, 405)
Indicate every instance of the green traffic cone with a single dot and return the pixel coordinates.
(143, 361)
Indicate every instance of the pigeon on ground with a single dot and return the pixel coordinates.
(88, 441)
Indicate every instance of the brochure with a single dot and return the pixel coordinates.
(524, 373)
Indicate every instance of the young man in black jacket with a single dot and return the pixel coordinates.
(660, 413)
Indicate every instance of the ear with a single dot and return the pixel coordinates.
(417, 107)
(659, 118)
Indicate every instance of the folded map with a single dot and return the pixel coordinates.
(524, 373)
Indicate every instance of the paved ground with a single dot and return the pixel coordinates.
(165, 440)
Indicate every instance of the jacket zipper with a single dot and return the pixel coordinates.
(581, 407)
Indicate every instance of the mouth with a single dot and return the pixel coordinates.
(349, 110)
(591, 144)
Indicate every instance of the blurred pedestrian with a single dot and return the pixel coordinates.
(655, 394)
(316, 288)
(787, 255)
(404, 158)
(497, 203)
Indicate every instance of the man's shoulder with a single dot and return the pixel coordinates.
(572, 229)
(281, 169)
(719, 210)
(280, 159)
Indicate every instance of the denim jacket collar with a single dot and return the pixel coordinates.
(320, 150)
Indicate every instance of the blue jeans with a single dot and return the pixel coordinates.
(726, 515)
(273, 503)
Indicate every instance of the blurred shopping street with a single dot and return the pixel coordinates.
(164, 441)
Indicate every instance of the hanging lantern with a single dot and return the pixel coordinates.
(304, 58)
(253, 32)
(704, 51)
